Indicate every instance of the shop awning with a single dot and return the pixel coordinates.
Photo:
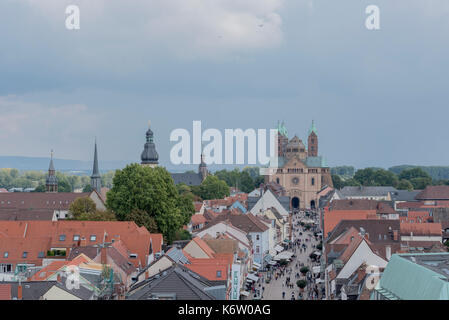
(244, 293)
(279, 248)
(252, 277)
(256, 266)
(286, 255)
(316, 269)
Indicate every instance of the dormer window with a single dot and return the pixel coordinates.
(6, 254)
(62, 237)
(93, 238)
(218, 273)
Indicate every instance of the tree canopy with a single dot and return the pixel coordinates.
(151, 190)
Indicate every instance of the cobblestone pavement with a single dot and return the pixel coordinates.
(274, 289)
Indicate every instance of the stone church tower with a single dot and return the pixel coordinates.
(312, 142)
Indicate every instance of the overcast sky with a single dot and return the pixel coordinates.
(379, 98)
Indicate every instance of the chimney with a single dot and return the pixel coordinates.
(58, 278)
(103, 255)
(19, 292)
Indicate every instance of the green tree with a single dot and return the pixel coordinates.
(301, 283)
(405, 185)
(412, 173)
(337, 181)
(148, 189)
(82, 206)
(183, 235)
(421, 182)
(41, 188)
(142, 218)
(87, 188)
(375, 177)
(213, 188)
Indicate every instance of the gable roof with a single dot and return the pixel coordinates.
(13, 214)
(353, 204)
(424, 229)
(39, 200)
(409, 277)
(246, 222)
(362, 191)
(178, 280)
(204, 246)
(372, 227)
(434, 193)
(188, 178)
(136, 239)
(332, 218)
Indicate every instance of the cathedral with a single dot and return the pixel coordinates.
(300, 171)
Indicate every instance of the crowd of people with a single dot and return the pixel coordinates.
(303, 243)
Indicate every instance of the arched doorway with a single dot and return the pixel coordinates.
(295, 203)
(312, 204)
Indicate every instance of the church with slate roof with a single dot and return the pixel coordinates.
(300, 170)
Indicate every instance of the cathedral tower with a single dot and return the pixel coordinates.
(312, 143)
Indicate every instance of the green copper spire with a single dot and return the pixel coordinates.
(313, 128)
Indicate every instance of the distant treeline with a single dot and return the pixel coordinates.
(13, 178)
(435, 172)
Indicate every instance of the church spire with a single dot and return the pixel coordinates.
(51, 183)
(149, 154)
(95, 179)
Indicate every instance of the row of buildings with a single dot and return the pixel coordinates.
(383, 243)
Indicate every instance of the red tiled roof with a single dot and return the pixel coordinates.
(332, 218)
(198, 206)
(421, 229)
(353, 204)
(197, 219)
(351, 248)
(210, 268)
(55, 266)
(136, 239)
(204, 246)
(434, 193)
(246, 222)
(39, 200)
